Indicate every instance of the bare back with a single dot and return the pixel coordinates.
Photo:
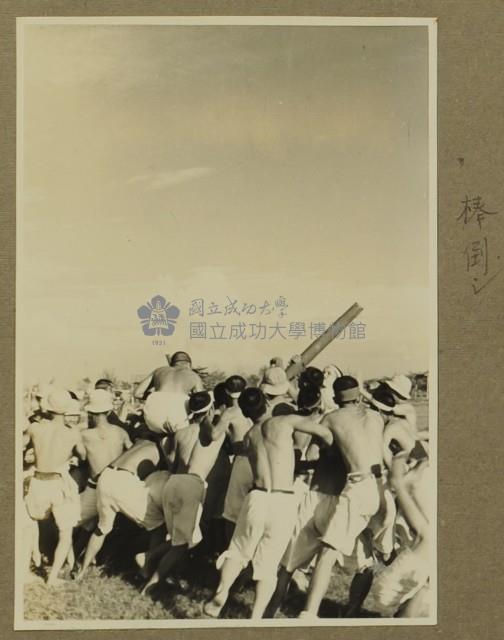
(176, 380)
(358, 432)
(270, 447)
(103, 445)
(142, 459)
(53, 444)
(236, 423)
(204, 456)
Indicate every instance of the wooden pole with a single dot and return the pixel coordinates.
(320, 343)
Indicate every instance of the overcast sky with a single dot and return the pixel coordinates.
(205, 162)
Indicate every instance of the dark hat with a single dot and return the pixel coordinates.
(252, 402)
(308, 398)
(220, 395)
(346, 389)
(382, 398)
(180, 356)
(200, 402)
(234, 386)
(311, 377)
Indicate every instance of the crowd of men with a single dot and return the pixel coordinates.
(301, 474)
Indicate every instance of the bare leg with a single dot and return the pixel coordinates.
(230, 571)
(168, 562)
(264, 591)
(320, 579)
(359, 589)
(94, 545)
(282, 586)
(62, 549)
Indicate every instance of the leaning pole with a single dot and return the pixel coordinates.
(320, 343)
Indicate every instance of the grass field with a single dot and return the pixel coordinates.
(112, 591)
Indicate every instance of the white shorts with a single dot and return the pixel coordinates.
(338, 522)
(166, 411)
(240, 483)
(183, 497)
(262, 532)
(59, 496)
(120, 491)
(400, 581)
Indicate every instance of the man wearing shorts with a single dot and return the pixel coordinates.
(51, 489)
(339, 520)
(268, 514)
(184, 494)
(121, 489)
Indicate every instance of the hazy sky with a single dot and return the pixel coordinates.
(250, 162)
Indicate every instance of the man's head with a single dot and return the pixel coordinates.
(276, 362)
(400, 386)
(181, 359)
(73, 413)
(58, 401)
(105, 384)
(275, 382)
(235, 386)
(221, 398)
(311, 377)
(346, 391)
(309, 400)
(100, 404)
(200, 405)
(382, 399)
(253, 404)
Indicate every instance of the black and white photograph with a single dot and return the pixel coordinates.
(226, 322)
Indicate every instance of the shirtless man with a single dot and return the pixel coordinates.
(338, 520)
(235, 425)
(165, 409)
(402, 587)
(104, 443)
(51, 488)
(195, 454)
(268, 514)
(121, 489)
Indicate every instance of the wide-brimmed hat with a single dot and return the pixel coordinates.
(73, 408)
(382, 399)
(100, 401)
(275, 381)
(401, 386)
(58, 401)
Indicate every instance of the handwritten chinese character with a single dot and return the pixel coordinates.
(476, 254)
(281, 305)
(197, 307)
(213, 309)
(266, 308)
(474, 207)
(231, 307)
(249, 309)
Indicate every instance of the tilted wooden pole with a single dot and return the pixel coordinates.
(320, 343)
